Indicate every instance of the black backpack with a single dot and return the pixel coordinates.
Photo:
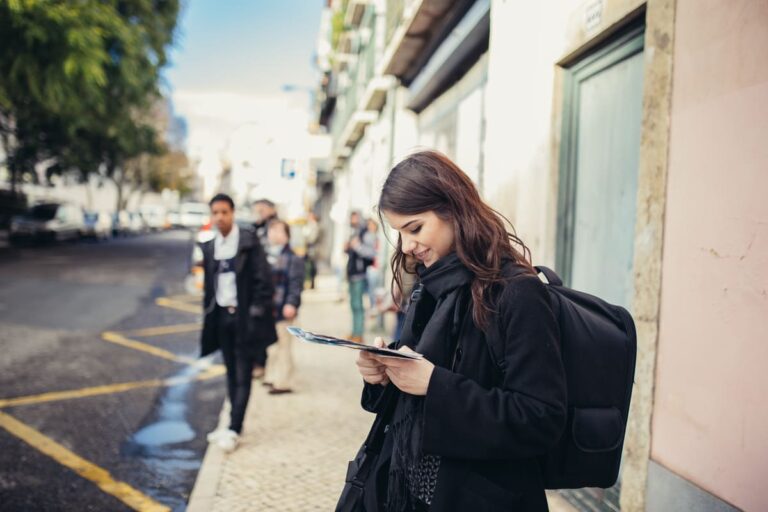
(598, 347)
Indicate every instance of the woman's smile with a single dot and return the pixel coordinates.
(421, 255)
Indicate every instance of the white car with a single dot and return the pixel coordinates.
(193, 215)
(154, 217)
(48, 222)
(97, 225)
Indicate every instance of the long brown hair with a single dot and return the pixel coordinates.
(430, 181)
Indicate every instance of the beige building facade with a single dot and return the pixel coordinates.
(624, 140)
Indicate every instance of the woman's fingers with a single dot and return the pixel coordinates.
(368, 363)
(371, 367)
(395, 362)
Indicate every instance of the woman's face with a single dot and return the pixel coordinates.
(425, 236)
(277, 235)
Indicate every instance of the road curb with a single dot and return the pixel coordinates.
(207, 482)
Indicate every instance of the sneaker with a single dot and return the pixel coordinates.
(279, 391)
(228, 440)
(214, 435)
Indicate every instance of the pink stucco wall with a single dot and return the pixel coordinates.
(710, 419)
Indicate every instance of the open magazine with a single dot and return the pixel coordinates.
(324, 339)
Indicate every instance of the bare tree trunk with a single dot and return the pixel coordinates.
(118, 181)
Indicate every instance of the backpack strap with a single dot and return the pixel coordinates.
(552, 277)
(496, 346)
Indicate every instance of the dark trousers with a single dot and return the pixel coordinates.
(312, 272)
(239, 367)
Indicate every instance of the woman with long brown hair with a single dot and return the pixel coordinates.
(463, 427)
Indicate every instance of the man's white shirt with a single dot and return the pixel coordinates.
(225, 248)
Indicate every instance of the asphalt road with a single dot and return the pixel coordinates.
(107, 445)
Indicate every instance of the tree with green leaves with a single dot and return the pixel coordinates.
(77, 81)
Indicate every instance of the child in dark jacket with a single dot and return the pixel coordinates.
(288, 279)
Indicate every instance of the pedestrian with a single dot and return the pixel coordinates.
(464, 430)
(288, 278)
(237, 307)
(360, 254)
(265, 211)
(313, 235)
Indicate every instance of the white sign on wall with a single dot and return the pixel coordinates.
(593, 14)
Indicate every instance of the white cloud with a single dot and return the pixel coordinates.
(213, 117)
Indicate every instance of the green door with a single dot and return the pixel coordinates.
(598, 177)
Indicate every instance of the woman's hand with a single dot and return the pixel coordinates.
(373, 372)
(409, 375)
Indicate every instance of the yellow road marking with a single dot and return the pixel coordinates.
(119, 339)
(101, 477)
(54, 396)
(178, 305)
(168, 329)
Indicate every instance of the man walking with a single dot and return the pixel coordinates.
(238, 307)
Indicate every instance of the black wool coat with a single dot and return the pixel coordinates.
(491, 416)
(255, 318)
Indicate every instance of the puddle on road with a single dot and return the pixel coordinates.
(157, 445)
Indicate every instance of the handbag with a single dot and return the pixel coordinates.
(360, 469)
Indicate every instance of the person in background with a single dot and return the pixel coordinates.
(359, 256)
(237, 307)
(288, 278)
(264, 210)
(373, 273)
(313, 234)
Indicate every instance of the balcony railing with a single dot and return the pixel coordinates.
(359, 70)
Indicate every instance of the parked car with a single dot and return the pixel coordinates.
(97, 225)
(136, 225)
(121, 223)
(51, 222)
(173, 219)
(153, 216)
(193, 215)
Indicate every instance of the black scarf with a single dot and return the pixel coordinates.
(432, 322)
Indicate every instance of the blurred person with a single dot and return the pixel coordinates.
(264, 211)
(360, 254)
(313, 235)
(288, 278)
(461, 432)
(237, 306)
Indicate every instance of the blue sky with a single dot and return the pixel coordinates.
(245, 46)
(231, 61)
